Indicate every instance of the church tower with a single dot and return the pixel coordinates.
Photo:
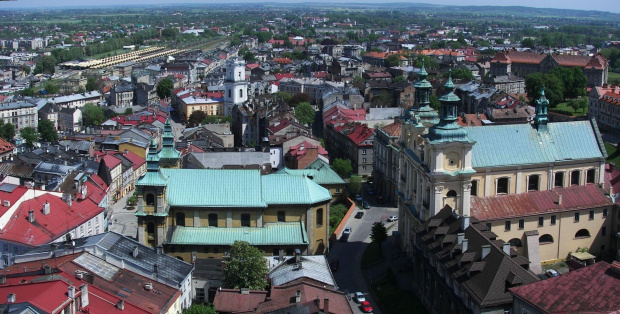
(236, 86)
(169, 157)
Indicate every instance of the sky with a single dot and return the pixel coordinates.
(601, 5)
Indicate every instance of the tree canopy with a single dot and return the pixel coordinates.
(196, 118)
(7, 131)
(47, 130)
(164, 88)
(92, 115)
(200, 309)
(528, 43)
(554, 87)
(393, 60)
(378, 233)
(245, 268)
(50, 88)
(342, 167)
(355, 185)
(305, 113)
(30, 135)
(91, 84)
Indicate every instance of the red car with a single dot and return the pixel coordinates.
(366, 308)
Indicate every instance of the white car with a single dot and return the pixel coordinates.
(552, 273)
(359, 297)
(392, 218)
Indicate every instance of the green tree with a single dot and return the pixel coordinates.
(200, 309)
(461, 74)
(378, 234)
(164, 88)
(355, 185)
(128, 111)
(342, 167)
(47, 130)
(554, 87)
(579, 84)
(383, 100)
(50, 88)
(27, 70)
(499, 41)
(435, 103)
(196, 118)
(304, 113)
(30, 135)
(399, 78)
(170, 33)
(8, 131)
(245, 267)
(393, 60)
(284, 96)
(249, 57)
(92, 115)
(528, 43)
(28, 92)
(91, 84)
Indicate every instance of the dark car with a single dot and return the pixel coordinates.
(359, 215)
(366, 205)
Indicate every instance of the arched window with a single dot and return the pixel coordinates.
(590, 176)
(545, 239)
(583, 233)
(319, 218)
(180, 219)
(150, 199)
(575, 177)
(451, 193)
(515, 242)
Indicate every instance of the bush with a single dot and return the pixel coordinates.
(336, 214)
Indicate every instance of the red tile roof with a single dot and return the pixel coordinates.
(538, 202)
(320, 74)
(299, 150)
(232, 301)
(592, 289)
(280, 76)
(472, 119)
(5, 146)
(11, 197)
(47, 228)
(343, 114)
(393, 129)
(357, 133)
(612, 179)
(280, 298)
(111, 161)
(47, 296)
(135, 159)
(282, 60)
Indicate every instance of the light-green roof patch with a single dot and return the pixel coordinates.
(291, 189)
(319, 171)
(281, 233)
(152, 178)
(521, 144)
(214, 187)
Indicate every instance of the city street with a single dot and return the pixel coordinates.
(122, 220)
(349, 275)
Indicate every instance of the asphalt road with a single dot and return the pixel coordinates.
(349, 274)
(123, 220)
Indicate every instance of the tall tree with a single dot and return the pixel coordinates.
(47, 131)
(304, 113)
(355, 185)
(342, 167)
(378, 234)
(245, 267)
(528, 43)
(92, 115)
(51, 88)
(8, 131)
(91, 84)
(196, 118)
(164, 88)
(30, 135)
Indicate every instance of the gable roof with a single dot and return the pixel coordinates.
(591, 289)
(313, 266)
(286, 189)
(319, 171)
(280, 233)
(563, 141)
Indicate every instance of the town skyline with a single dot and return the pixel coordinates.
(604, 6)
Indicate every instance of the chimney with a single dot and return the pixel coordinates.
(160, 249)
(298, 296)
(486, 249)
(84, 295)
(506, 248)
(297, 256)
(47, 270)
(326, 305)
(464, 246)
(559, 199)
(66, 197)
(31, 215)
(120, 305)
(134, 253)
(464, 222)
(155, 267)
(281, 256)
(459, 238)
(2, 279)
(71, 292)
(10, 298)
(46, 208)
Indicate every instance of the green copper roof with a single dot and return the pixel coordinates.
(214, 187)
(522, 144)
(281, 233)
(288, 189)
(422, 84)
(427, 115)
(450, 132)
(422, 73)
(541, 108)
(152, 178)
(319, 171)
(169, 153)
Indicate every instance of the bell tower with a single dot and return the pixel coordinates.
(236, 86)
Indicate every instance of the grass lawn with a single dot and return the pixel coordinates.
(371, 255)
(614, 78)
(392, 299)
(613, 154)
(563, 107)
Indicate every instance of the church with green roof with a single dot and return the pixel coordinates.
(199, 213)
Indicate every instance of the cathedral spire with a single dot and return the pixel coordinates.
(542, 105)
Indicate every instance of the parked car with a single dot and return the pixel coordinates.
(358, 198)
(552, 273)
(359, 297)
(359, 215)
(392, 218)
(345, 234)
(366, 307)
(366, 205)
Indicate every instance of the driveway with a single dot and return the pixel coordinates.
(349, 276)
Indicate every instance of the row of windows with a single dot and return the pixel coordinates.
(502, 185)
(548, 239)
(552, 220)
(245, 219)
